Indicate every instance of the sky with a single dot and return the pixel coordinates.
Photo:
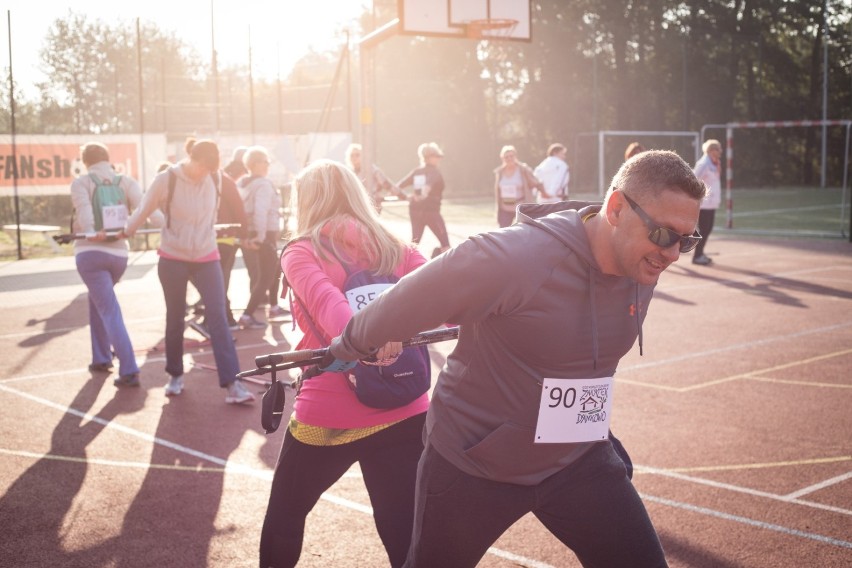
(281, 30)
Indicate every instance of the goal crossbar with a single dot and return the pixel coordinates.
(602, 134)
(730, 127)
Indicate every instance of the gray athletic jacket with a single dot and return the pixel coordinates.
(532, 304)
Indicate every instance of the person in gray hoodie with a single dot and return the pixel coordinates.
(519, 416)
(188, 193)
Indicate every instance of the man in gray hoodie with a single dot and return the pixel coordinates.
(520, 413)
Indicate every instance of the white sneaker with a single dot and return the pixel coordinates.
(175, 386)
(238, 393)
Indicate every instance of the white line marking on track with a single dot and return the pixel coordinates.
(740, 489)
(736, 346)
(747, 521)
(747, 375)
(67, 329)
(235, 468)
(142, 360)
(817, 486)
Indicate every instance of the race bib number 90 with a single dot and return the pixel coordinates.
(361, 296)
(574, 410)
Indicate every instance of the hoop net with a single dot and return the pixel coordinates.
(498, 28)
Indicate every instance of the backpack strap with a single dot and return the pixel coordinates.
(171, 194)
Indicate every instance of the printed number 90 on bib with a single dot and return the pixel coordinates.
(360, 297)
(574, 410)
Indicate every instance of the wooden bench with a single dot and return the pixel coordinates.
(46, 231)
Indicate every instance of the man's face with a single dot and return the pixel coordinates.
(635, 255)
(562, 155)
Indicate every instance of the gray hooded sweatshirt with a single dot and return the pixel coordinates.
(532, 303)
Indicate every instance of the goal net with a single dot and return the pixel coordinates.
(781, 179)
(598, 155)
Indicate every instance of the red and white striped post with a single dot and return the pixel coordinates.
(729, 174)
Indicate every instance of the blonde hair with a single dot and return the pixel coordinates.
(506, 149)
(710, 144)
(427, 150)
(352, 149)
(330, 196)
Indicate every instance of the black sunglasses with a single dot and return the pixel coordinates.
(662, 236)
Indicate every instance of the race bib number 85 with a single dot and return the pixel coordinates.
(362, 295)
(574, 410)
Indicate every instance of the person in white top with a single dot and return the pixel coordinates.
(101, 261)
(708, 169)
(554, 175)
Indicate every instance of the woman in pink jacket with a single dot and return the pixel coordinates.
(330, 429)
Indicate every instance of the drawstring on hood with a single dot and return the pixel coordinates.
(531, 214)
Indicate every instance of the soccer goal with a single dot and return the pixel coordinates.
(789, 208)
(598, 155)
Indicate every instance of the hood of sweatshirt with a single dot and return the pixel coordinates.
(551, 217)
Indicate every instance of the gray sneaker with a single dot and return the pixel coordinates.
(238, 393)
(175, 386)
(248, 322)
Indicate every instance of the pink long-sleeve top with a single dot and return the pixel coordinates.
(327, 400)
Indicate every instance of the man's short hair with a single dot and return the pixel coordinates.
(93, 152)
(654, 171)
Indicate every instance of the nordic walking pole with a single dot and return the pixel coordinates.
(306, 357)
(66, 238)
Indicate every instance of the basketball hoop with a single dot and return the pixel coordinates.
(497, 28)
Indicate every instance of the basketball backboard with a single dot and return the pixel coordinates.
(467, 18)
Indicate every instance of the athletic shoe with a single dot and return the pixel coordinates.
(100, 367)
(238, 393)
(703, 260)
(175, 386)
(278, 311)
(233, 325)
(131, 380)
(248, 322)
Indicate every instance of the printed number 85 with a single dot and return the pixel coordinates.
(361, 300)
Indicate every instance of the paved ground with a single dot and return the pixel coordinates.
(737, 416)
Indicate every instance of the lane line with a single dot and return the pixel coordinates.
(735, 347)
(265, 474)
(141, 360)
(237, 468)
(746, 521)
(744, 490)
(746, 466)
(817, 486)
(800, 383)
(68, 329)
(747, 375)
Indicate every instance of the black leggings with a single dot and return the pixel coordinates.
(706, 218)
(265, 262)
(422, 218)
(388, 461)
